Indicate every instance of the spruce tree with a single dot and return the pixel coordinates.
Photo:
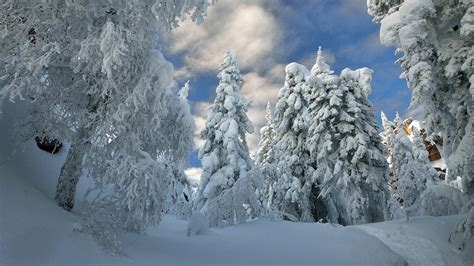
(266, 159)
(350, 162)
(227, 182)
(291, 153)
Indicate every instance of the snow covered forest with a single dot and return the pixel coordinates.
(109, 108)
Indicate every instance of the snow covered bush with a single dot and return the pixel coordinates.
(436, 40)
(228, 183)
(197, 225)
(440, 200)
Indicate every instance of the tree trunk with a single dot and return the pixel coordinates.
(71, 171)
(69, 177)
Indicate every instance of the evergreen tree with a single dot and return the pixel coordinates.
(411, 168)
(227, 183)
(290, 149)
(266, 159)
(350, 162)
(177, 139)
(265, 153)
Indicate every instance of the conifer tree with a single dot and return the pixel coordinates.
(350, 162)
(291, 153)
(266, 159)
(228, 183)
(411, 168)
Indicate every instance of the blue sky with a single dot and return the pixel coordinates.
(266, 35)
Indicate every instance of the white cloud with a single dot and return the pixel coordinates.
(200, 110)
(243, 27)
(193, 174)
(260, 90)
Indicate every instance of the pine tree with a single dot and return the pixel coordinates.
(265, 151)
(227, 183)
(266, 159)
(321, 67)
(290, 149)
(388, 136)
(411, 167)
(350, 162)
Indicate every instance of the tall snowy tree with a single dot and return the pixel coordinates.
(436, 40)
(290, 149)
(177, 140)
(227, 182)
(350, 162)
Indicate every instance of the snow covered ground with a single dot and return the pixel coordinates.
(33, 230)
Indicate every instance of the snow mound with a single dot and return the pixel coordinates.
(440, 200)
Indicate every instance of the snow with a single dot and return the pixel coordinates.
(33, 230)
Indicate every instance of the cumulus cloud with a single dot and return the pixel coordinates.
(193, 174)
(244, 27)
(200, 111)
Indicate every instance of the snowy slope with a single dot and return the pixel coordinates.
(33, 230)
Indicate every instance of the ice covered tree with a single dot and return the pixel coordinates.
(266, 158)
(265, 146)
(290, 149)
(76, 61)
(350, 162)
(227, 191)
(389, 136)
(321, 67)
(436, 40)
(411, 168)
(177, 139)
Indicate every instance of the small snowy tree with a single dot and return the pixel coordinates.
(266, 159)
(228, 184)
(265, 151)
(350, 162)
(411, 169)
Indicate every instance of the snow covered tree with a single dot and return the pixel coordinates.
(350, 162)
(266, 159)
(177, 139)
(228, 184)
(290, 149)
(76, 62)
(321, 67)
(436, 40)
(265, 151)
(389, 137)
(411, 168)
